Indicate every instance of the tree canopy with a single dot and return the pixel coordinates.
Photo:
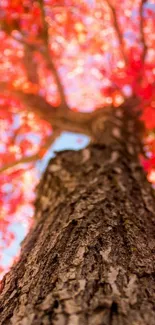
(61, 63)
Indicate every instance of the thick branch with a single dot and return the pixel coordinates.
(71, 121)
(64, 120)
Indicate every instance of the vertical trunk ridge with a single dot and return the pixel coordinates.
(89, 260)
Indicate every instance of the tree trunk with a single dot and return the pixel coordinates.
(89, 260)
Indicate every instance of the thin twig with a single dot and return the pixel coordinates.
(48, 57)
(30, 65)
(30, 159)
(23, 160)
(117, 30)
(142, 36)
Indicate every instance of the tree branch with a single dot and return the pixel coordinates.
(69, 120)
(117, 30)
(44, 52)
(24, 160)
(142, 36)
(58, 118)
(49, 60)
(30, 65)
(28, 59)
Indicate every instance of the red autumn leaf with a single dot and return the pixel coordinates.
(148, 117)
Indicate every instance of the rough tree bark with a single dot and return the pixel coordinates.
(89, 260)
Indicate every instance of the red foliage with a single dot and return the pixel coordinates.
(148, 117)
